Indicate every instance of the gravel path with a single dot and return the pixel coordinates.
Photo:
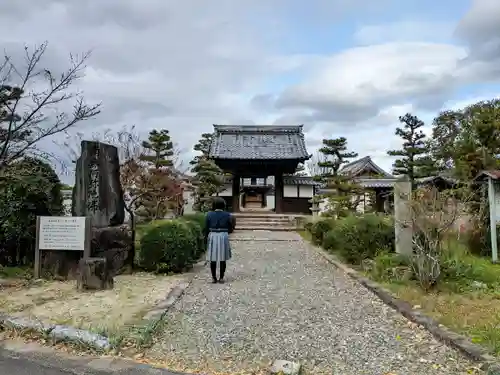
(282, 300)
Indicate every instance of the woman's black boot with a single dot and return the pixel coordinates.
(213, 270)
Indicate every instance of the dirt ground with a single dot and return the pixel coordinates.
(60, 303)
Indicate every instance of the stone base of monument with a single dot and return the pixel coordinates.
(93, 274)
(114, 244)
(60, 265)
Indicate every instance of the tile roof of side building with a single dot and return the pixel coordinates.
(258, 142)
(357, 166)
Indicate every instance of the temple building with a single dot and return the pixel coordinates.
(371, 177)
(262, 161)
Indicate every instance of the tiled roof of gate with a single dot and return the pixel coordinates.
(258, 142)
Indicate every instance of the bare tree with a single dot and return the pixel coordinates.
(27, 115)
(127, 140)
(433, 215)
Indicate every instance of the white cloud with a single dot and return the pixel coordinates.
(403, 31)
(367, 75)
(187, 65)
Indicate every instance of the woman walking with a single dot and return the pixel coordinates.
(218, 225)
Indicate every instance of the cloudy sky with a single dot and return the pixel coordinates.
(340, 67)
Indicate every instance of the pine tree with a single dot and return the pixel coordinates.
(202, 146)
(335, 155)
(414, 160)
(159, 148)
(159, 177)
(208, 177)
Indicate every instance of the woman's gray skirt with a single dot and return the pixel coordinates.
(218, 247)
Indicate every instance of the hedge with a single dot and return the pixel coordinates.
(198, 218)
(319, 228)
(172, 246)
(356, 238)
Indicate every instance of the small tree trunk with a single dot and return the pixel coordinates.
(130, 260)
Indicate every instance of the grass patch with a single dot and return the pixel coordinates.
(475, 314)
(103, 311)
(132, 337)
(466, 298)
(15, 272)
(116, 314)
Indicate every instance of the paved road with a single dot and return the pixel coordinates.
(282, 300)
(19, 364)
(32, 359)
(24, 367)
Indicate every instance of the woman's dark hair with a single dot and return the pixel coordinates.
(218, 204)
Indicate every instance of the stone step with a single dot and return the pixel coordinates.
(262, 219)
(263, 223)
(267, 228)
(266, 215)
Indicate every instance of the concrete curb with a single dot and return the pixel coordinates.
(56, 331)
(173, 296)
(440, 332)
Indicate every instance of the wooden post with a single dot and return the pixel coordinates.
(236, 193)
(493, 220)
(402, 216)
(278, 192)
(88, 238)
(36, 271)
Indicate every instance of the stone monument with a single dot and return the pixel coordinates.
(98, 191)
(98, 194)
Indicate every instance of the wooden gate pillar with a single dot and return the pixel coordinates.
(278, 193)
(236, 193)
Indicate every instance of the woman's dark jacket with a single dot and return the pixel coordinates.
(219, 221)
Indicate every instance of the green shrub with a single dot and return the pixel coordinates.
(478, 238)
(356, 238)
(390, 267)
(319, 228)
(168, 247)
(197, 233)
(198, 218)
(197, 224)
(460, 267)
(308, 226)
(28, 188)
